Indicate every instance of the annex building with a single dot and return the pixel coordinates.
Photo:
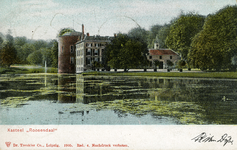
(163, 56)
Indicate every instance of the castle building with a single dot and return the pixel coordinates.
(77, 51)
(90, 50)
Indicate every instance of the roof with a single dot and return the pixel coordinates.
(96, 38)
(162, 52)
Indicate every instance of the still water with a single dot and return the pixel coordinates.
(98, 100)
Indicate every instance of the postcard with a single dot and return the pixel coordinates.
(154, 74)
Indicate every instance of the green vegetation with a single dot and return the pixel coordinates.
(140, 107)
(215, 45)
(228, 75)
(182, 30)
(65, 30)
(125, 52)
(20, 50)
(25, 70)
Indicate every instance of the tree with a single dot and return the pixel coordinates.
(38, 44)
(54, 54)
(8, 54)
(156, 63)
(170, 63)
(35, 58)
(152, 35)
(162, 35)
(181, 64)
(1, 41)
(216, 44)
(9, 37)
(46, 56)
(125, 52)
(20, 41)
(182, 30)
(25, 51)
(138, 34)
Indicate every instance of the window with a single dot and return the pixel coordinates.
(150, 57)
(72, 60)
(88, 60)
(72, 48)
(97, 59)
(62, 48)
(96, 52)
(88, 51)
(170, 57)
(160, 57)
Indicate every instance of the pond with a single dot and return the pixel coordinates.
(68, 99)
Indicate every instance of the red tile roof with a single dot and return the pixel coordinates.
(162, 52)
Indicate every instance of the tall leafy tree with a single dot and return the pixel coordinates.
(151, 38)
(216, 44)
(38, 44)
(35, 58)
(125, 52)
(46, 56)
(182, 31)
(54, 54)
(25, 51)
(139, 34)
(162, 35)
(8, 54)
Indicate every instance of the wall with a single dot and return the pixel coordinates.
(65, 54)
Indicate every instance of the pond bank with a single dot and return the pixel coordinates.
(222, 75)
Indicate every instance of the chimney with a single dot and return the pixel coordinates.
(82, 32)
(87, 34)
(115, 35)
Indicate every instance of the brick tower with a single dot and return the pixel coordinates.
(67, 51)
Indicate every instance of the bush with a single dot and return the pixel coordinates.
(181, 64)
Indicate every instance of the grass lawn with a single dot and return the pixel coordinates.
(228, 75)
(26, 69)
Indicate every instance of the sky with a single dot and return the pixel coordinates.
(43, 19)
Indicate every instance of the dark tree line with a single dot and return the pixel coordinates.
(20, 50)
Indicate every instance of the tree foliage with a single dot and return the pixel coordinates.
(216, 44)
(35, 58)
(151, 38)
(125, 52)
(182, 31)
(24, 51)
(54, 54)
(138, 34)
(65, 30)
(8, 54)
(162, 35)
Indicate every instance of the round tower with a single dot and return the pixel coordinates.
(67, 52)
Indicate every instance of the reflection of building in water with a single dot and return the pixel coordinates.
(67, 89)
(93, 89)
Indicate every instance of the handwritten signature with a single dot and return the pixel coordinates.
(203, 138)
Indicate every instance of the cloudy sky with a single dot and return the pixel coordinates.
(42, 19)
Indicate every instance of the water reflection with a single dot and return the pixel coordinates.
(182, 100)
